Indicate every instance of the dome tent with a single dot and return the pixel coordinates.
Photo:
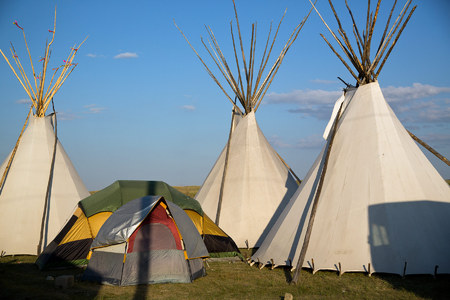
(147, 240)
(71, 246)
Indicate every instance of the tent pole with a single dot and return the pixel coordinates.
(219, 205)
(2, 181)
(302, 255)
(50, 179)
(289, 168)
(428, 147)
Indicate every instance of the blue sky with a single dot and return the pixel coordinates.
(140, 105)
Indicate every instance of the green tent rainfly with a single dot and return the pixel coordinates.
(71, 245)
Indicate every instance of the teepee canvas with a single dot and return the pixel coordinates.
(372, 202)
(256, 183)
(39, 187)
(249, 182)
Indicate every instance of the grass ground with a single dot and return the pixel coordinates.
(20, 279)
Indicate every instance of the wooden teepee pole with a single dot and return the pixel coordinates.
(8, 165)
(207, 69)
(225, 167)
(366, 71)
(302, 255)
(49, 184)
(428, 147)
(289, 168)
(251, 92)
(36, 94)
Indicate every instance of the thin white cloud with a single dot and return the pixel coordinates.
(435, 114)
(93, 109)
(126, 55)
(312, 141)
(319, 96)
(419, 103)
(437, 140)
(309, 103)
(321, 112)
(277, 142)
(87, 109)
(323, 81)
(67, 116)
(188, 107)
(309, 142)
(91, 55)
(416, 103)
(416, 91)
(303, 97)
(23, 101)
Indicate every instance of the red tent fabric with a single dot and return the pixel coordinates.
(157, 231)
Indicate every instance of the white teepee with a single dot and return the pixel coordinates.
(257, 183)
(39, 186)
(23, 195)
(382, 203)
(372, 202)
(249, 183)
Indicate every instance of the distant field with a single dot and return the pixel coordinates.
(20, 279)
(189, 190)
(192, 190)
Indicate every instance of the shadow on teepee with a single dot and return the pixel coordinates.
(400, 243)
